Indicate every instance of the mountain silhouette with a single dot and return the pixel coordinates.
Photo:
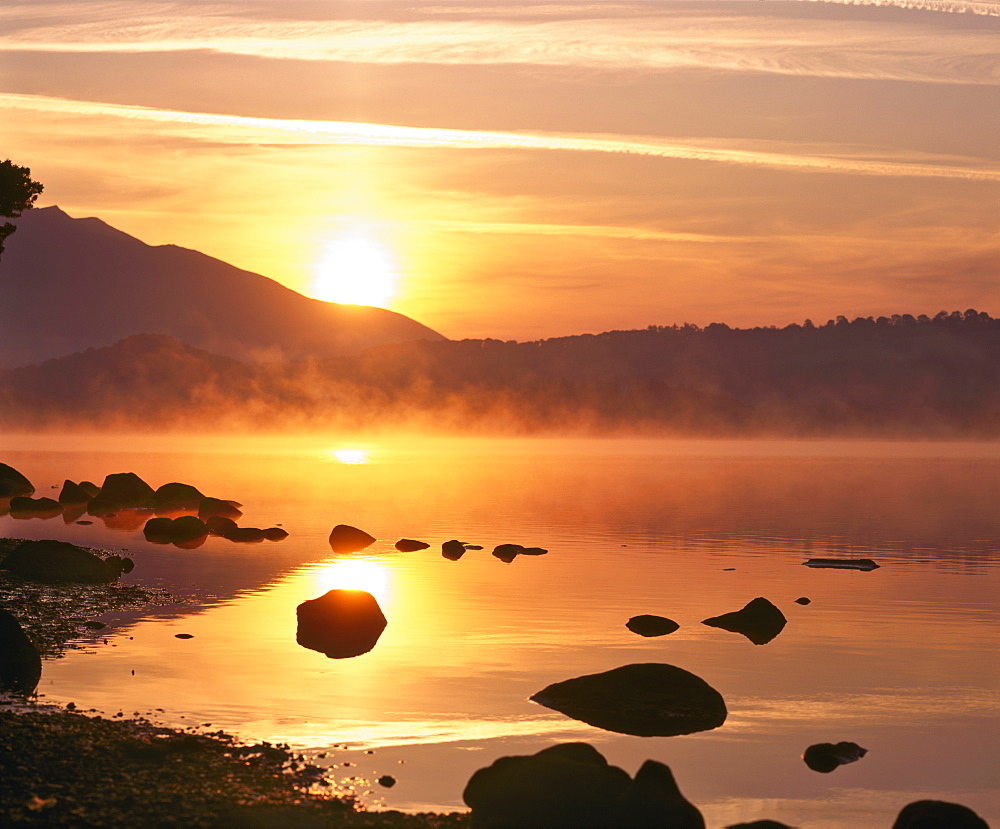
(68, 284)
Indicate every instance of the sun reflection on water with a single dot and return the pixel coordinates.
(349, 456)
(355, 574)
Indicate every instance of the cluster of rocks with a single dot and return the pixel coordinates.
(347, 539)
(127, 492)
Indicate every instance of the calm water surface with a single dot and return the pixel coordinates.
(902, 660)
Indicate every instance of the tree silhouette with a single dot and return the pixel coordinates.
(17, 193)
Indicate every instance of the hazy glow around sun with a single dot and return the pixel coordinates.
(356, 268)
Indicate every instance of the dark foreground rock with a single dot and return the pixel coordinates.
(647, 700)
(825, 757)
(571, 786)
(340, 623)
(938, 814)
(347, 539)
(649, 625)
(59, 561)
(20, 662)
(13, 483)
(759, 621)
(67, 769)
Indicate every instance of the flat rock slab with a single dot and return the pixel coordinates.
(843, 563)
(647, 700)
(759, 621)
(648, 625)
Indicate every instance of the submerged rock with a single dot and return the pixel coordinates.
(20, 662)
(13, 483)
(58, 561)
(453, 550)
(843, 563)
(72, 494)
(245, 535)
(649, 625)
(533, 551)
(340, 623)
(410, 545)
(647, 700)
(759, 621)
(347, 539)
(572, 786)
(825, 757)
(938, 814)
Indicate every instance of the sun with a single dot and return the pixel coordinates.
(356, 268)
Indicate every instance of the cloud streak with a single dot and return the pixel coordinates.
(241, 130)
(645, 38)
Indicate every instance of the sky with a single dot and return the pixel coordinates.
(534, 169)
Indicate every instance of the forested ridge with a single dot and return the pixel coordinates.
(902, 375)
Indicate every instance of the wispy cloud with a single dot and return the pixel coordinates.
(644, 37)
(241, 130)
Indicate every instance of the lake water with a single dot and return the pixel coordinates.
(902, 660)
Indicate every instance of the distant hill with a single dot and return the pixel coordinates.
(71, 284)
(889, 377)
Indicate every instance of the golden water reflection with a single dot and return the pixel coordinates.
(356, 574)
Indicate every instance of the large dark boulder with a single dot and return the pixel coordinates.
(759, 621)
(649, 625)
(181, 530)
(57, 561)
(571, 786)
(20, 663)
(72, 494)
(938, 814)
(125, 489)
(220, 525)
(176, 496)
(347, 539)
(825, 757)
(648, 700)
(340, 623)
(159, 530)
(13, 482)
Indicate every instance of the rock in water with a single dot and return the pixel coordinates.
(347, 539)
(340, 623)
(648, 625)
(453, 550)
(759, 621)
(411, 545)
(507, 552)
(211, 507)
(72, 494)
(177, 496)
(24, 507)
(125, 489)
(57, 561)
(571, 786)
(938, 814)
(13, 483)
(647, 700)
(20, 663)
(843, 563)
(825, 757)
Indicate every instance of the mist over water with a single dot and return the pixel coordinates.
(897, 660)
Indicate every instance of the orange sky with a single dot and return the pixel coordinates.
(534, 169)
